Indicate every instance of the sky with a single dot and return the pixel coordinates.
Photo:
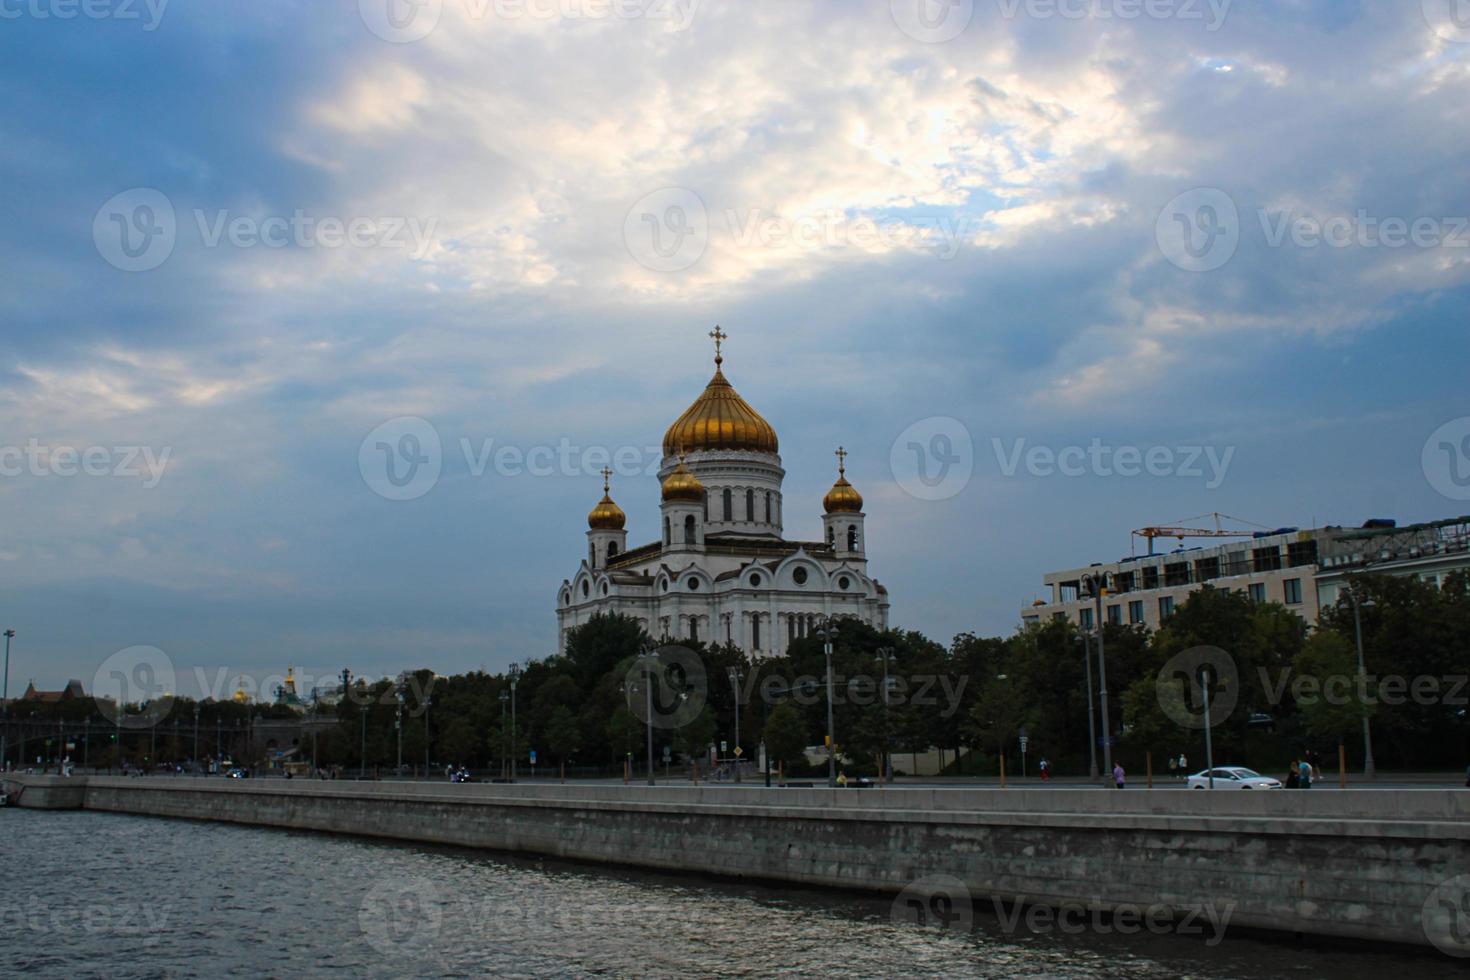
(1049, 270)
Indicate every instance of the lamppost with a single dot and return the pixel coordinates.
(427, 702)
(1097, 587)
(1209, 743)
(649, 659)
(828, 631)
(735, 686)
(1091, 721)
(515, 679)
(886, 654)
(196, 735)
(1359, 602)
(504, 736)
(5, 696)
(398, 724)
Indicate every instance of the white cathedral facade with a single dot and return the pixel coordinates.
(721, 570)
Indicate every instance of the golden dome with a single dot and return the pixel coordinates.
(606, 516)
(683, 485)
(843, 497)
(720, 419)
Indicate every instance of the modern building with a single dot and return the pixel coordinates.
(1303, 570)
(721, 569)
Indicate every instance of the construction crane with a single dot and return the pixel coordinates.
(1175, 531)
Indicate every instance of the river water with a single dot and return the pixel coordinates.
(104, 895)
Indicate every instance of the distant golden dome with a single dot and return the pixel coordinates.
(606, 516)
(720, 419)
(843, 498)
(683, 485)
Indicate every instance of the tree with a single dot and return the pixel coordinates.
(786, 734)
(1331, 705)
(562, 734)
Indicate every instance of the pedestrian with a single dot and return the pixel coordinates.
(1045, 770)
(1304, 780)
(1173, 765)
(1118, 774)
(1292, 779)
(1183, 766)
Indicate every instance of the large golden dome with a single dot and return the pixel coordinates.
(843, 498)
(720, 419)
(606, 516)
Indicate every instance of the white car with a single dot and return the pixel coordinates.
(1233, 777)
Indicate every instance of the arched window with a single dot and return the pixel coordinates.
(667, 540)
(688, 528)
(750, 505)
(852, 537)
(831, 536)
(755, 632)
(591, 553)
(768, 506)
(694, 629)
(729, 509)
(612, 550)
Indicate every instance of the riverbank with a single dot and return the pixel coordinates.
(1362, 865)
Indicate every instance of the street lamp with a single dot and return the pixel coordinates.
(886, 654)
(1097, 587)
(1091, 722)
(649, 659)
(828, 631)
(5, 696)
(398, 724)
(515, 678)
(504, 736)
(735, 686)
(1359, 602)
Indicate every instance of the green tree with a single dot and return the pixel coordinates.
(562, 734)
(786, 734)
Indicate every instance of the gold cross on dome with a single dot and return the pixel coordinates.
(606, 475)
(841, 461)
(718, 335)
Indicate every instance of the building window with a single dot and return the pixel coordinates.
(1166, 607)
(693, 629)
(750, 505)
(604, 588)
(831, 536)
(852, 537)
(612, 550)
(729, 505)
(667, 540)
(1115, 615)
(843, 583)
(1293, 589)
(755, 632)
(585, 590)
(1151, 577)
(755, 580)
(1084, 618)
(1135, 611)
(694, 585)
(768, 506)
(799, 576)
(1257, 591)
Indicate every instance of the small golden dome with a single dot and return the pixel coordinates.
(843, 498)
(683, 485)
(606, 516)
(720, 419)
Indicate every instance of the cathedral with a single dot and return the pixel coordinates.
(721, 570)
